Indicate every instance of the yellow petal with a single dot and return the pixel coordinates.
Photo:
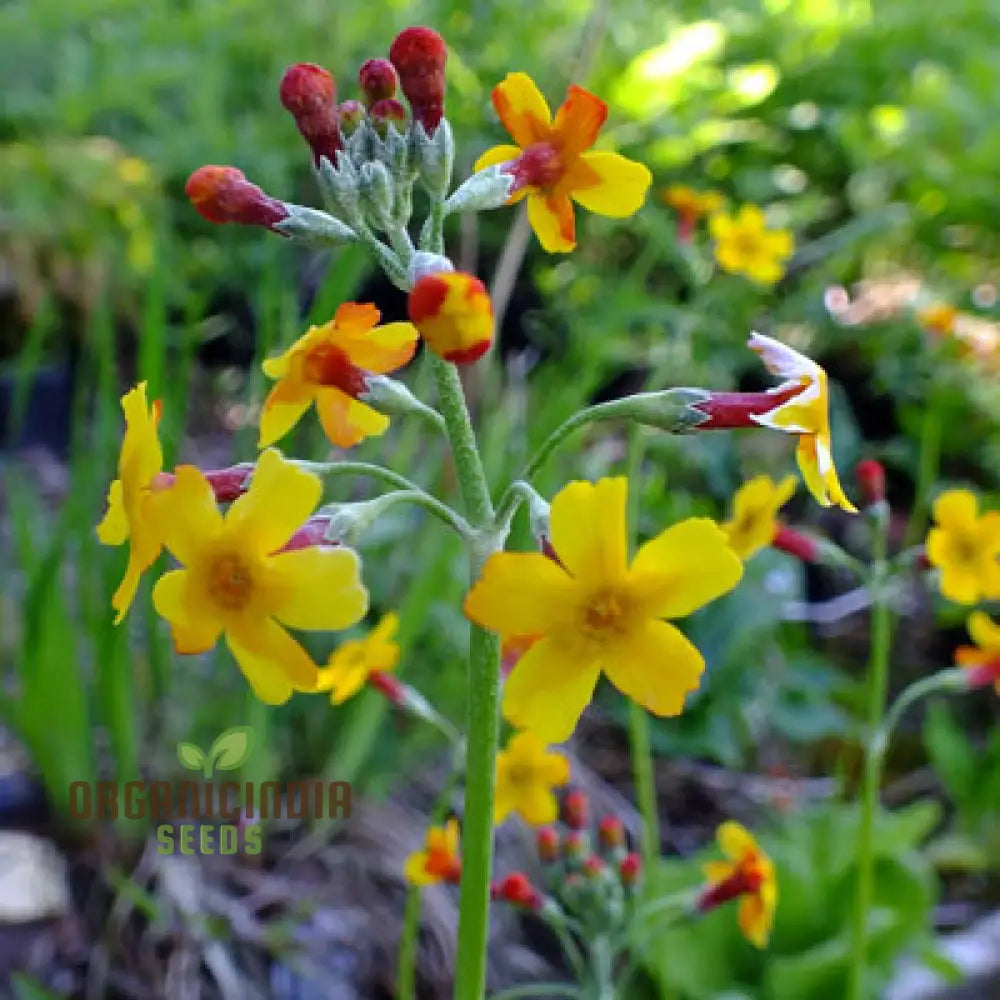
(589, 531)
(282, 410)
(383, 349)
(522, 109)
(656, 666)
(555, 769)
(538, 806)
(185, 514)
(754, 920)
(549, 689)
(317, 588)
(279, 501)
(735, 840)
(684, 568)
(808, 462)
(113, 529)
(960, 584)
(717, 871)
(175, 599)
(278, 367)
(956, 509)
(551, 217)
(495, 155)
(415, 870)
(356, 317)
(520, 593)
(271, 660)
(347, 421)
(141, 457)
(984, 631)
(620, 188)
(144, 548)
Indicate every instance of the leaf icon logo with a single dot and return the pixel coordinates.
(229, 751)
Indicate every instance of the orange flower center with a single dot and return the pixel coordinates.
(230, 582)
(329, 365)
(606, 610)
(540, 165)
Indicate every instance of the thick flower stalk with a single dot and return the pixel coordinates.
(526, 775)
(965, 546)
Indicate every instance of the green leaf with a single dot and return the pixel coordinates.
(190, 756)
(231, 748)
(27, 988)
(951, 754)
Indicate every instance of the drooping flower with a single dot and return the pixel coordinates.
(526, 775)
(454, 314)
(309, 93)
(806, 413)
(755, 514)
(744, 245)
(965, 546)
(982, 660)
(690, 206)
(553, 164)
(439, 861)
(128, 518)
(237, 581)
(223, 194)
(419, 55)
(356, 662)
(330, 365)
(747, 875)
(597, 612)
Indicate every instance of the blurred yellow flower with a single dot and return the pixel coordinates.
(354, 661)
(965, 546)
(526, 775)
(690, 206)
(329, 364)
(439, 861)
(237, 581)
(983, 659)
(744, 245)
(748, 875)
(806, 414)
(140, 465)
(553, 164)
(755, 510)
(938, 318)
(596, 612)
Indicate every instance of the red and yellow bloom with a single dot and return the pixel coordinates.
(439, 861)
(354, 662)
(595, 611)
(526, 775)
(329, 365)
(755, 514)
(236, 580)
(983, 659)
(965, 546)
(690, 206)
(553, 164)
(454, 314)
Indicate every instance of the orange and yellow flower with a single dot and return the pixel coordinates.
(755, 514)
(553, 164)
(594, 611)
(690, 206)
(454, 314)
(353, 662)
(236, 580)
(965, 546)
(982, 659)
(329, 365)
(439, 861)
(806, 414)
(744, 245)
(526, 775)
(938, 318)
(140, 465)
(747, 875)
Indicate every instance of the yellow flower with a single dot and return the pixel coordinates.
(526, 775)
(807, 414)
(687, 201)
(755, 510)
(965, 546)
(747, 875)
(938, 318)
(439, 861)
(140, 466)
(330, 365)
(354, 661)
(744, 245)
(553, 164)
(594, 611)
(983, 659)
(237, 581)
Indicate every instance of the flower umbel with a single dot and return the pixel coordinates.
(744, 245)
(965, 546)
(983, 659)
(553, 164)
(597, 612)
(755, 514)
(439, 861)
(526, 775)
(236, 580)
(128, 518)
(748, 875)
(354, 662)
(329, 365)
(806, 413)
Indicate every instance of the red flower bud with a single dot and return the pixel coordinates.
(593, 866)
(313, 532)
(352, 114)
(576, 810)
(378, 80)
(228, 484)
(223, 194)
(871, 480)
(575, 844)
(310, 94)
(630, 869)
(547, 840)
(454, 314)
(795, 544)
(386, 113)
(517, 890)
(419, 56)
(610, 831)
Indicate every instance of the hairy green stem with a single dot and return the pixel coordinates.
(332, 469)
(380, 504)
(952, 680)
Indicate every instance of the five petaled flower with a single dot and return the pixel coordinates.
(354, 662)
(744, 245)
(755, 510)
(526, 775)
(330, 365)
(807, 414)
(982, 660)
(749, 876)
(237, 581)
(594, 611)
(553, 164)
(439, 861)
(140, 467)
(965, 546)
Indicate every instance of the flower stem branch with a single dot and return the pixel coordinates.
(332, 469)
(379, 505)
(952, 680)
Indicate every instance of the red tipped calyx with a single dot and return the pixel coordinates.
(378, 80)
(313, 532)
(309, 92)
(729, 410)
(871, 480)
(223, 194)
(547, 841)
(796, 544)
(592, 866)
(576, 810)
(517, 890)
(419, 55)
(228, 484)
(610, 831)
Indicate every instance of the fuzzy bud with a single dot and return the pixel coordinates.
(352, 114)
(309, 93)
(376, 190)
(576, 810)
(223, 194)
(547, 841)
(593, 866)
(871, 481)
(517, 890)
(454, 314)
(227, 484)
(385, 113)
(419, 55)
(378, 80)
(610, 832)
(434, 156)
(575, 844)
(630, 869)
(315, 228)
